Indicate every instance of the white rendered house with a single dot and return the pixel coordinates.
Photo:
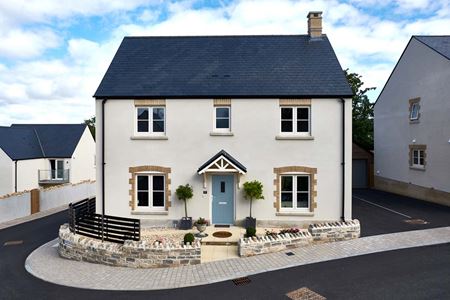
(412, 123)
(39, 155)
(217, 111)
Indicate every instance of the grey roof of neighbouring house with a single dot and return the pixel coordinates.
(439, 43)
(29, 141)
(224, 66)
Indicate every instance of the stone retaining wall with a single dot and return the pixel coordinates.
(335, 231)
(273, 243)
(130, 254)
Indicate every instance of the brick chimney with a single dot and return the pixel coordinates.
(315, 24)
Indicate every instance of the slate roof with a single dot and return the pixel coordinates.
(440, 44)
(224, 66)
(29, 141)
(225, 154)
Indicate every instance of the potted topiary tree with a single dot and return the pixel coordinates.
(252, 190)
(184, 193)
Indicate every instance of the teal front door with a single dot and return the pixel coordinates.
(222, 199)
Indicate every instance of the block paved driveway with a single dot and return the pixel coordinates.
(381, 212)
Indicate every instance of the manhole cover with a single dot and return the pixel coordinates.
(416, 221)
(304, 294)
(241, 281)
(12, 243)
(222, 234)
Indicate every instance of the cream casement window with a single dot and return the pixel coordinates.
(414, 110)
(222, 118)
(150, 192)
(295, 192)
(150, 120)
(295, 120)
(417, 156)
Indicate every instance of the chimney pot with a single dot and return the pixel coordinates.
(315, 24)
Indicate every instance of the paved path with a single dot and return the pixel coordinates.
(45, 263)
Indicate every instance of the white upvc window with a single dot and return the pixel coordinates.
(295, 192)
(222, 118)
(418, 158)
(150, 120)
(150, 192)
(295, 120)
(414, 111)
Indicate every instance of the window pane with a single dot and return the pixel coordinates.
(158, 126)
(302, 126)
(222, 112)
(302, 200)
(222, 186)
(286, 126)
(158, 199)
(158, 183)
(286, 183)
(142, 126)
(142, 198)
(222, 123)
(286, 113)
(302, 113)
(142, 113)
(286, 199)
(142, 183)
(302, 183)
(421, 161)
(414, 111)
(158, 113)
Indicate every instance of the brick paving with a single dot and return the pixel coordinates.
(45, 263)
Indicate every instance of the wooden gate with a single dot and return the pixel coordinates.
(34, 201)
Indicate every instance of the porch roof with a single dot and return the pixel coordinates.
(229, 164)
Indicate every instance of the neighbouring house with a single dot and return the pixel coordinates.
(412, 123)
(217, 111)
(362, 167)
(39, 155)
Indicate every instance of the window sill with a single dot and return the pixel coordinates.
(295, 214)
(417, 168)
(214, 133)
(149, 137)
(414, 121)
(160, 213)
(294, 137)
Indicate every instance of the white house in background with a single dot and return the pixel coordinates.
(412, 123)
(35, 155)
(216, 111)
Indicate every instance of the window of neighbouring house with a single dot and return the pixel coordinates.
(295, 120)
(150, 189)
(295, 192)
(222, 118)
(150, 120)
(414, 109)
(417, 154)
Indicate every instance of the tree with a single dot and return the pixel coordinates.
(184, 192)
(91, 124)
(253, 190)
(362, 115)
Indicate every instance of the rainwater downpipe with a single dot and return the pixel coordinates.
(103, 165)
(15, 176)
(343, 159)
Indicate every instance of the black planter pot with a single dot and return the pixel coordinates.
(186, 223)
(250, 222)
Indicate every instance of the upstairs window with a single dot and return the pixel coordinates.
(150, 120)
(295, 120)
(222, 118)
(414, 110)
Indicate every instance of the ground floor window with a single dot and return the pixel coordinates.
(417, 156)
(150, 191)
(295, 191)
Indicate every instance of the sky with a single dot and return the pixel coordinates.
(54, 53)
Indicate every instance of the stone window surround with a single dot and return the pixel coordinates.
(411, 103)
(411, 150)
(312, 172)
(132, 181)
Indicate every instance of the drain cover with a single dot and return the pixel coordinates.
(304, 294)
(222, 234)
(416, 221)
(13, 243)
(241, 281)
(290, 253)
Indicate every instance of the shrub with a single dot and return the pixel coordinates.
(253, 190)
(184, 192)
(250, 232)
(188, 238)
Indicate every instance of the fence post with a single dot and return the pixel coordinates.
(34, 198)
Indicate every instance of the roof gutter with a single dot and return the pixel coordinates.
(103, 165)
(343, 159)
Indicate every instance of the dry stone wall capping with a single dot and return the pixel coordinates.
(136, 254)
(335, 231)
(317, 233)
